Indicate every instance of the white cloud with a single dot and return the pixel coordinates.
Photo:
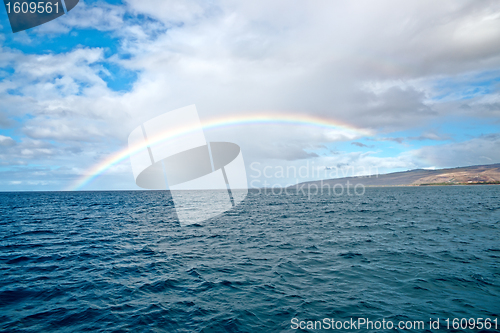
(101, 16)
(477, 151)
(6, 141)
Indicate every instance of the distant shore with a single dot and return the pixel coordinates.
(459, 184)
(471, 175)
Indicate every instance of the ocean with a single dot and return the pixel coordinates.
(120, 261)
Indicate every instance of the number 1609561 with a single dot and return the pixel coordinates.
(32, 7)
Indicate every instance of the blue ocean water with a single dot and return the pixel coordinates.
(120, 261)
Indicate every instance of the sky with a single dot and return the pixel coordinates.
(393, 86)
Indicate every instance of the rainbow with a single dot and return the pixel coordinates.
(225, 121)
